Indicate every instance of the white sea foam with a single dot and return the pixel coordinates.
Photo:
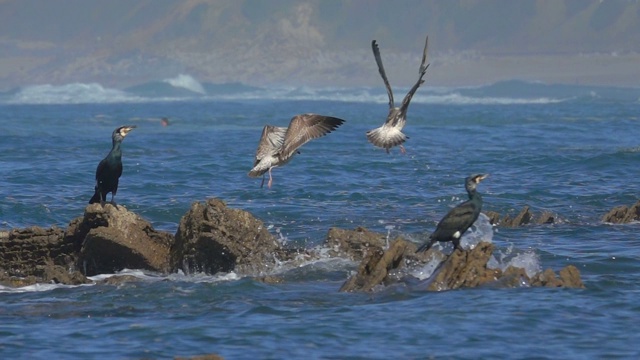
(527, 260)
(425, 271)
(482, 230)
(76, 93)
(34, 288)
(186, 82)
(81, 93)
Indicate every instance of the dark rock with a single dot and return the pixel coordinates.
(119, 280)
(354, 244)
(494, 217)
(115, 238)
(461, 269)
(270, 279)
(546, 218)
(524, 217)
(60, 275)
(465, 269)
(18, 281)
(623, 214)
(47, 273)
(569, 277)
(23, 251)
(512, 277)
(213, 238)
(375, 268)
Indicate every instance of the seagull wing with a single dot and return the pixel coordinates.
(270, 142)
(304, 128)
(423, 70)
(376, 54)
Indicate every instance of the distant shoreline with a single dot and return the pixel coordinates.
(446, 70)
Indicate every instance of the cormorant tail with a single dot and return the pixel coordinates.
(426, 246)
(95, 198)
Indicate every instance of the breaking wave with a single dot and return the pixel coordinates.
(186, 82)
(184, 87)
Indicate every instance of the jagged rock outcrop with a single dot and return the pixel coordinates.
(213, 238)
(37, 255)
(524, 217)
(22, 249)
(462, 269)
(465, 269)
(374, 269)
(354, 244)
(623, 214)
(114, 238)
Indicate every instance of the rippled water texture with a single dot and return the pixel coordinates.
(576, 157)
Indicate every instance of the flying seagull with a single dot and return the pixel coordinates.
(390, 133)
(279, 144)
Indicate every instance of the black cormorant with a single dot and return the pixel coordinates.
(390, 133)
(460, 218)
(278, 144)
(110, 168)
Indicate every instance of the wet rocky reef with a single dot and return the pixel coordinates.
(213, 238)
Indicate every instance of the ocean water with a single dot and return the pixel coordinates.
(571, 150)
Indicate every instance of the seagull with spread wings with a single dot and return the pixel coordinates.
(279, 144)
(390, 133)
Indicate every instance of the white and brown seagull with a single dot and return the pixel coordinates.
(390, 133)
(279, 144)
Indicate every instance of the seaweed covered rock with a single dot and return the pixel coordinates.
(213, 238)
(623, 214)
(113, 238)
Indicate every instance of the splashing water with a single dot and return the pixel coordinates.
(528, 260)
(481, 230)
(389, 228)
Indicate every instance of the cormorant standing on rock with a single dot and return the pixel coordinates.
(390, 133)
(460, 218)
(110, 168)
(278, 144)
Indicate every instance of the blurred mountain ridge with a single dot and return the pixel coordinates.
(120, 42)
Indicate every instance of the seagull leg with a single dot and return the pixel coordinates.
(402, 150)
(262, 183)
(270, 179)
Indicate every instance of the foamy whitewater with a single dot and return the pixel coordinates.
(568, 149)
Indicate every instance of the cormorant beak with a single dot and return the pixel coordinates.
(126, 129)
(480, 177)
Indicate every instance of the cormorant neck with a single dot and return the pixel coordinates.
(473, 194)
(116, 147)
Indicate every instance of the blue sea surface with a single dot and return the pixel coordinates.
(571, 150)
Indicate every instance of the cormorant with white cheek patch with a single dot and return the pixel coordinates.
(110, 168)
(460, 218)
